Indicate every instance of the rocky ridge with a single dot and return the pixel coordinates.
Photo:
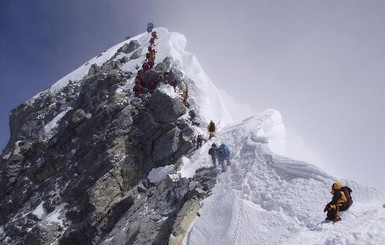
(75, 168)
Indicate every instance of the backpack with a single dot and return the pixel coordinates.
(212, 127)
(347, 192)
(225, 150)
(213, 151)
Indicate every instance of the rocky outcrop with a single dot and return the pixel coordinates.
(160, 103)
(165, 211)
(130, 47)
(75, 168)
(183, 221)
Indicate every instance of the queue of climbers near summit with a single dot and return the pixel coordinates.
(167, 77)
(220, 155)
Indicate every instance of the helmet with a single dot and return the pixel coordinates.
(337, 185)
(213, 145)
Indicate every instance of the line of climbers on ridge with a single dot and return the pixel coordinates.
(221, 154)
(166, 77)
(147, 65)
(211, 128)
(341, 195)
(341, 200)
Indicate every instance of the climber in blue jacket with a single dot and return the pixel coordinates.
(224, 154)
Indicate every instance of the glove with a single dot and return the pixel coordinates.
(326, 208)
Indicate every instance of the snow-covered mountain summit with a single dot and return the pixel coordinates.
(88, 162)
(204, 95)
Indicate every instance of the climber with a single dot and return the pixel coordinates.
(184, 98)
(192, 115)
(211, 129)
(192, 118)
(341, 201)
(150, 26)
(138, 88)
(213, 154)
(150, 60)
(224, 155)
(152, 54)
(152, 41)
(148, 56)
(146, 66)
(199, 141)
(151, 64)
(154, 34)
(139, 76)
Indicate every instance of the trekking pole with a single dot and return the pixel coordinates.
(219, 122)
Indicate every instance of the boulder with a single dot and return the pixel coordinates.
(166, 145)
(165, 108)
(183, 221)
(128, 48)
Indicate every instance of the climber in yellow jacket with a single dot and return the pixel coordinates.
(341, 201)
(211, 128)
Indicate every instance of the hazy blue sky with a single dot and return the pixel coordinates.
(320, 63)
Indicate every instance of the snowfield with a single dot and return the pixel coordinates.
(269, 199)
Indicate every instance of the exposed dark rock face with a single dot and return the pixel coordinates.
(75, 168)
(160, 103)
(161, 209)
(130, 47)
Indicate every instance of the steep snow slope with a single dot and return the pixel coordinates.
(269, 199)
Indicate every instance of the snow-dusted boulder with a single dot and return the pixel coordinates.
(165, 108)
